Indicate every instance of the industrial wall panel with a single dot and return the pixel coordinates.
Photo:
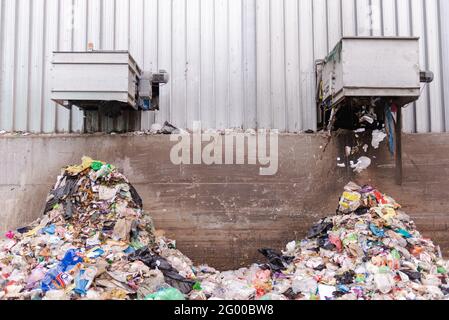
(292, 80)
(207, 88)
(166, 57)
(404, 28)
(193, 64)
(150, 49)
(263, 58)
(444, 35)
(307, 69)
(233, 63)
(249, 64)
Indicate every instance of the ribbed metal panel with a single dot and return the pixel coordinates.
(233, 63)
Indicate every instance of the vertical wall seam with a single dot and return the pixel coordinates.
(72, 29)
(327, 26)
(14, 88)
(44, 69)
(286, 113)
(396, 17)
(440, 63)
(186, 64)
(270, 22)
(243, 66)
(299, 119)
(30, 67)
(72, 44)
(426, 50)
(214, 67)
(341, 18)
(382, 20)
(58, 34)
(144, 32)
(157, 36)
(412, 32)
(256, 32)
(87, 24)
(170, 106)
(128, 17)
(101, 44)
(114, 19)
(2, 39)
(156, 2)
(200, 65)
(228, 68)
(304, 125)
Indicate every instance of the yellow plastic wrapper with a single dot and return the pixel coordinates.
(115, 294)
(77, 169)
(386, 213)
(32, 232)
(349, 202)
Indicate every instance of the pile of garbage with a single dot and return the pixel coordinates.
(369, 250)
(96, 242)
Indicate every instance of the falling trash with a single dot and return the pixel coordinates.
(362, 164)
(378, 137)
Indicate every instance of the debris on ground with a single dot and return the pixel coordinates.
(95, 242)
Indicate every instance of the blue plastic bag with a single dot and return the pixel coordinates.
(58, 278)
(376, 231)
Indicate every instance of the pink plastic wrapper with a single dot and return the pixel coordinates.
(10, 235)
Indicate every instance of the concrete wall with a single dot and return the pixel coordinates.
(222, 214)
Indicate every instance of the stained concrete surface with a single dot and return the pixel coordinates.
(222, 214)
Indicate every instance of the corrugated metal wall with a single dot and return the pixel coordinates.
(233, 63)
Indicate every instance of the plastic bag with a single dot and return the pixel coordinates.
(384, 282)
(320, 229)
(349, 202)
(305, 285)
(378, 137)
(277, 262)
(84, 280)
(362, 164)
(172, 276)
(166, 294)
(59, 278)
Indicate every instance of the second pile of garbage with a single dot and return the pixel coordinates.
(96, 242)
